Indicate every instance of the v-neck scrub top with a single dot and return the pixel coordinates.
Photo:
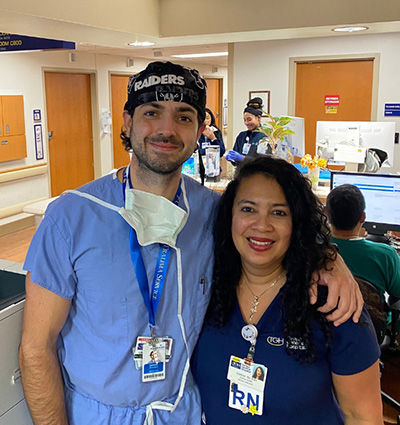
(294, 394)
(254, 138)
(81, 252)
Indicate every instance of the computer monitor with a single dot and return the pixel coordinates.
(382, 199)
(296, 141)
(379, 135)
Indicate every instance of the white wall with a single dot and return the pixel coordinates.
(23, 73)
(265, 66)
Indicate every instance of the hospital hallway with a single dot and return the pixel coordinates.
(14, 246)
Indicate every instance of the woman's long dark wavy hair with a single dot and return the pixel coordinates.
(309, 251)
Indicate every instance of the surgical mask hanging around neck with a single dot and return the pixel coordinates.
(154, 218)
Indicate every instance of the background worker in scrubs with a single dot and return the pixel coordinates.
(247, 141)
(103, 249)
(211, 135)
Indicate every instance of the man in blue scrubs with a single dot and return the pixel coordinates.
(122, 267)
(97, 291)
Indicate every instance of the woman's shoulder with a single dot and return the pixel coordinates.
(354, 346)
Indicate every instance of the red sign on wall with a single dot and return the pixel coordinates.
(332, 99)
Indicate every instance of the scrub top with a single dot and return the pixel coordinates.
(252, 137)
(81, 252)
(376, 262)
(294, 393)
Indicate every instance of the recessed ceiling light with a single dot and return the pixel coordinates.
(201, 55)
(141, 43)
(350, 29)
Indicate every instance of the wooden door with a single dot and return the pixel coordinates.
(2, 130)
(119, 85)
(350, 80)
(69, 119)
(214, 90)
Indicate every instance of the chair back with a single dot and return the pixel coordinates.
(375, 307)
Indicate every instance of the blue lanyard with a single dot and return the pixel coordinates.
(153, 300)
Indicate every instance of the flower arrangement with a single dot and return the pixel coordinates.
(311, 163)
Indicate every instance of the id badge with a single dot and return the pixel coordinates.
(153, 362)
(247, 385)
(246, 148)
(137, 351)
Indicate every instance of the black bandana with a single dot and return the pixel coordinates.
(166, 81)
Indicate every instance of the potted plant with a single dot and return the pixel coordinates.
(275, 129)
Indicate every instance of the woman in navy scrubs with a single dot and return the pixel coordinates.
(270, 237)
(247, 141)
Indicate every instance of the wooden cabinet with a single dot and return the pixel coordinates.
(12, 128)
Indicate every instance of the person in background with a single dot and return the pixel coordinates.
(211, 135)
(376, 262)
(247, 141)
(270, 237)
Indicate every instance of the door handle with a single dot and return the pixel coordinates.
(50, 135)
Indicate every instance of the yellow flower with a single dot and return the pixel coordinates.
(305, 160)
(311, 163)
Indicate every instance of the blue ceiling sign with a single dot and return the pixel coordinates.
(14, 42)
(392, 109)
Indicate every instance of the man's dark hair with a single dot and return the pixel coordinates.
(345, 205)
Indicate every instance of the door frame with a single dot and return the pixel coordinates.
(221, 97)
(95, 118)
(110, 74)
(293, 61)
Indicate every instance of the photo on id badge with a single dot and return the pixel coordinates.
(153, 362)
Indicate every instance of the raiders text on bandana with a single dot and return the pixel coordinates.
(155, 79)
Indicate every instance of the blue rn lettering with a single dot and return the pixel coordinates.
(250, 401)
(238, 395)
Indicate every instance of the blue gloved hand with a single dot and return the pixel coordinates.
(233, 156)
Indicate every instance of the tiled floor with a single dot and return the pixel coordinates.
(14, 247)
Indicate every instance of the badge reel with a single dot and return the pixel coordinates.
(250, 333)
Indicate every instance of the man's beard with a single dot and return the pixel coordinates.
(160, 164)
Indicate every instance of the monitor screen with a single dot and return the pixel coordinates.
(379, 135)
(296, 141)
(382, 198)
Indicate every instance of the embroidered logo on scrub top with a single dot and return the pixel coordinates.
(292, 343)
(275, 341)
